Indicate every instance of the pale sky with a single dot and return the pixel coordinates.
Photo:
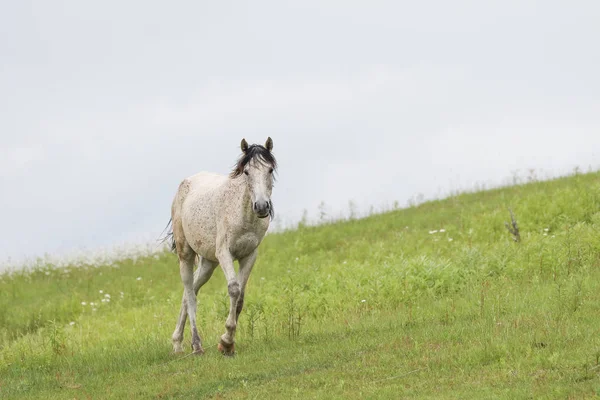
(106, 106)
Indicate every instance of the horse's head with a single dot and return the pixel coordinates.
(257, 166)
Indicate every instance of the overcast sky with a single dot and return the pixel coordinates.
(106, 106)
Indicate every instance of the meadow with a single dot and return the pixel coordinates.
(433, 301)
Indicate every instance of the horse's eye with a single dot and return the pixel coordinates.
(271, 170)
(246, 171)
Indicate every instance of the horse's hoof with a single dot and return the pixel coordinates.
(198, 352)
(177, 348)
(226, 350)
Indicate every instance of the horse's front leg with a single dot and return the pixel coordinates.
(246, 265)
(226, 344)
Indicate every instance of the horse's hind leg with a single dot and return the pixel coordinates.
(186, 269)
(177, 337)
(201, 276)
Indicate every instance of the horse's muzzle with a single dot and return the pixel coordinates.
(262, 208)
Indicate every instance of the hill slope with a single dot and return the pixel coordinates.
(435, 301)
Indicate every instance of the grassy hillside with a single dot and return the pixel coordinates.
(435, 301)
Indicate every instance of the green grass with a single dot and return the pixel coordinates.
(371, 308)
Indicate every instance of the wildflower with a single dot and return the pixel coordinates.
(262, 278)
(107, 296)
(139, 278)
(450, 239)
(47, 272)
(297, 259)
(432, 232)
(344, 263)
(92, 304)
(72, 323)
(442, 230)
(83, 303)
(93, 309)
(100, 291)
(363, 301)
(546, 229)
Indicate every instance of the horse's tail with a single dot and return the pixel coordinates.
(168, 236)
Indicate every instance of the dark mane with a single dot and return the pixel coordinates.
(254, 151)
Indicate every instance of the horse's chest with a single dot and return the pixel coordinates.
(244, 244)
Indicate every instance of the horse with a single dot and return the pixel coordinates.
(218, 219)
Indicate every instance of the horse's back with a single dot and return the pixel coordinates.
(201, 188)
(194, 211)
(203, 182)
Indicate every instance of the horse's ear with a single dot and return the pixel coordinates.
(269, 144)
(244, 145)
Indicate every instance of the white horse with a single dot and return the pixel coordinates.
(220, 219)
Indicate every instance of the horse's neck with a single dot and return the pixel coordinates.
(238, 197)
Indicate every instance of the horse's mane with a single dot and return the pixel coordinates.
(254, 151)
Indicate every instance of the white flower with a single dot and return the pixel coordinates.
(450, 239)
(100, 291)
(546, 229)
(363, 301)
(344, 263)
(92, 304)
(47, 272)
(545, 233)
(262, 278)
(139, 278)
(83, 303)
(442, 230)
(93, 309)
(72, 323)
(107, 296)
(297, 258)
(432, 232)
